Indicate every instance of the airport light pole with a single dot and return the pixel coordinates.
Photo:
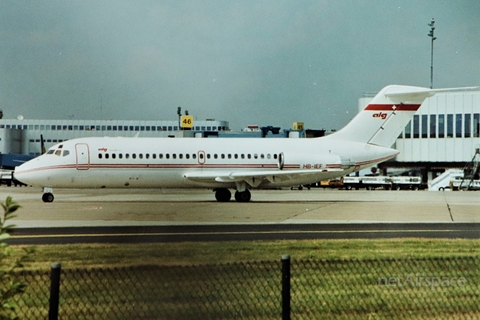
(431, 35)
(179, 113)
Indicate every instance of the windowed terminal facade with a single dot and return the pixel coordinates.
(24, 136)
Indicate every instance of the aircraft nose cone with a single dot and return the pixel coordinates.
(23, 174)
(18, 175)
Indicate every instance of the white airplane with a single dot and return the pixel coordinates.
(228, 163)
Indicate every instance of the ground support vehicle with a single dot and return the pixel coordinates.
(407, 183)
(367, 182)
(450, 179)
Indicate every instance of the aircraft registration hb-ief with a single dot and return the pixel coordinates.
(228, 163)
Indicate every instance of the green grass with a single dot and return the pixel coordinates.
(189, 253)
(331, 279)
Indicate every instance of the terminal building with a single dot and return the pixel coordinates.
(23, 136)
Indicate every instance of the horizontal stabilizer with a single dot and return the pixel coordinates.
(399, 92)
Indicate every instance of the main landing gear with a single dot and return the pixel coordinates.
(224, 195)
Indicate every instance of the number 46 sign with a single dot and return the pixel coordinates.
(187, 122)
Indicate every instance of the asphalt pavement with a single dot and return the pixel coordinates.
(166, 207)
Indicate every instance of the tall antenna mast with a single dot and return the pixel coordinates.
(431, 35)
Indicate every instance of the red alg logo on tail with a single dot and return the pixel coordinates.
(381, 115)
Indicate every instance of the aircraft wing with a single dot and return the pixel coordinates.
(254, 178)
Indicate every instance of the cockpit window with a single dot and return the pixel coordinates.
(58, 152)
(66, 153)
(51, 151)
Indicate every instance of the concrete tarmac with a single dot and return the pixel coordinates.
(121, 207)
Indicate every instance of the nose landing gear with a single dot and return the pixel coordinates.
(47, 195)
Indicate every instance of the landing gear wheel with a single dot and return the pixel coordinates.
(223, 195)
(243, 196)
(47, 197)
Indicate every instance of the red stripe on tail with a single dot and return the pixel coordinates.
(390, 107)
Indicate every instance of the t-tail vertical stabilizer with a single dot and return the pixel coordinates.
(384, 118)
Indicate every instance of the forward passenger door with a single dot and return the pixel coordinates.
(82, 156)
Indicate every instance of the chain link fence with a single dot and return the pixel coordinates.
(319, 289)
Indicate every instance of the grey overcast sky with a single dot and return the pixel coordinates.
(265, 62)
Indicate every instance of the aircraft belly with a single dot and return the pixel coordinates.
(114, 178)
(139, 178)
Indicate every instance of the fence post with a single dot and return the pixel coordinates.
(286, 287)
(55, 271)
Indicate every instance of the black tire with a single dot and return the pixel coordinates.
(243, 196)
(48, 197)
(223, 195)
